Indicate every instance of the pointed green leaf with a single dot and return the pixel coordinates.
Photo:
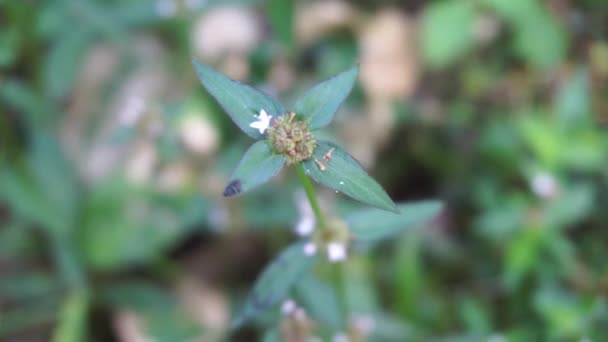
(274, 283)
(64, 60)
(320, 103)
(374, 225)
(343, 173)
(257, 166)
(321, 301)
(240, 101)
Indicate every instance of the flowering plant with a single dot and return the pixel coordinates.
(288, 138)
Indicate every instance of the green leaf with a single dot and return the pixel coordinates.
(28, 285)
(28, 315)
(345, 174)
(447, 29)
(257, 166)
(73, 318)
(240, 101)
(274, 283)
(541, 42)
(63, 61)
(321, 301)
(320, 103)
(163, 316)
(375, 225)
(112, 235)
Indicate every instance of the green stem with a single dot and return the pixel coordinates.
(310, 193)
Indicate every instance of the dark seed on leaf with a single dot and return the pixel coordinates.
(233, 188)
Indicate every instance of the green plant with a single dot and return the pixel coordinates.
(287, 137)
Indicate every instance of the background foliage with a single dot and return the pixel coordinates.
(114, 159)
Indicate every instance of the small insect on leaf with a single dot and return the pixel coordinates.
(320, 165)
(233, 188)
(327, 156)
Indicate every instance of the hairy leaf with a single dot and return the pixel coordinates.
(274, 283)
(374, 225)
(257, 166)
(321, 301)
(343, 173)
(240, 101)
(319, 105)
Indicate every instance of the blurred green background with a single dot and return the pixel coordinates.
(114, 159)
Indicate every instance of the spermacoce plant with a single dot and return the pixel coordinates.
(287, 137)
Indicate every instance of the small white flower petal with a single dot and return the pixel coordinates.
(340, 337)
(305, 226)
(262, 123)
(336, 251)
(363, 323)
(544, 185)
(288, 306)
(310, 249)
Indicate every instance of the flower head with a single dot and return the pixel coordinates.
(262, 123)
(291, 137)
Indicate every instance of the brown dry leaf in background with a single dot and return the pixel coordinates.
(198, 134)
(227, 34)
(207, 306)
(132, 101)
(316, 19)
(282, 74)
(389, 72)
(128, 327)
(175, 177)
(389, 62)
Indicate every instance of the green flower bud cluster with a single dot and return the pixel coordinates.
(291, 137)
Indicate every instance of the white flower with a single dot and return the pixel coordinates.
(262, 123)
(131, 111)
(363, 323)
(340, 337)
(310, 249)
(306, 222)
(336, 251)
(305, 226)
(544, 185)
(288, 306)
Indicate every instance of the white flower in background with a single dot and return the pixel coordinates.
(497, 338)
(131, 111)
(262, 123)
(363, 323)
(305, 225)
(166, 8)
(310, 249)
(544, 185)
(288, 306)
(336, 251)
(306, 222)
(340, 337)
